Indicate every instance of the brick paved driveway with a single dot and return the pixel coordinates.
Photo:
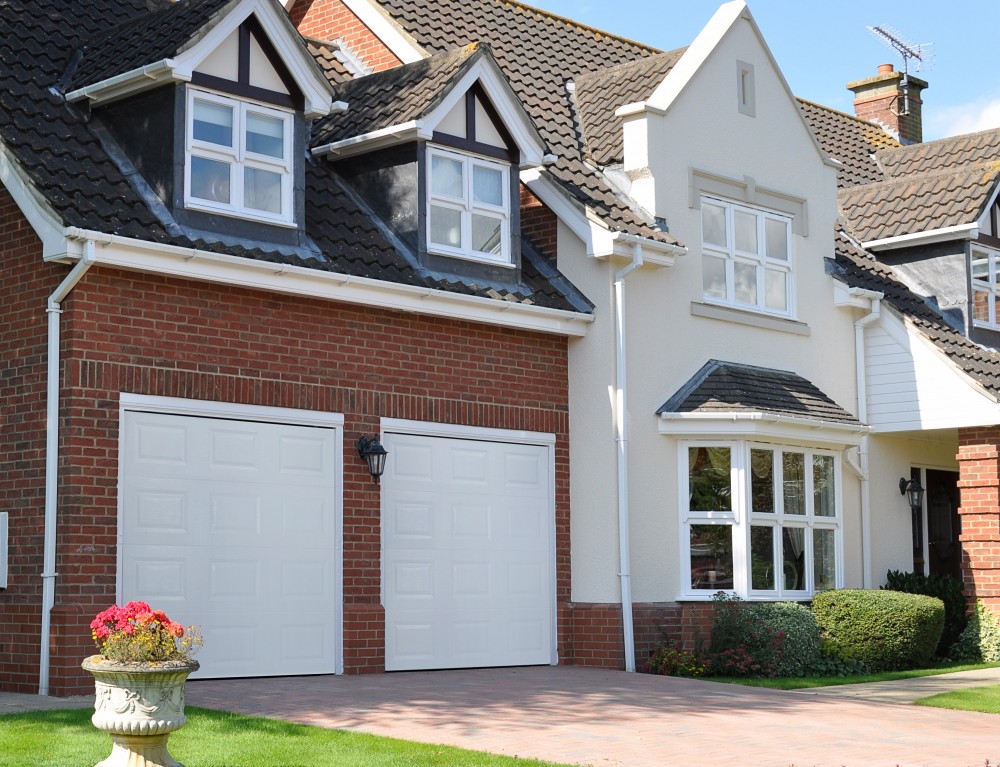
(609, 718)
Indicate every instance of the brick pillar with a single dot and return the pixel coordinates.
(979, 483)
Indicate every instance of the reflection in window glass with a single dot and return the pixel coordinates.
(824, 498)
(446, 226)
(762, 481)
(486, 234)
(446, 177)
(265, 135)
(746, 231)
(746, 283)
(776, 235)
(762, 558)
(709, 483)
(776, 290)
(794, 482)
(209, 179)
(711, 557)
(713, 224)
(213, 123)
(793, 545)
(981, 305)
(487, 185)
(714, 276)
(824, 560)
(262, 190)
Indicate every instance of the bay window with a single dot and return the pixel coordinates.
(760, 520)
(238, 158)
(746, 257)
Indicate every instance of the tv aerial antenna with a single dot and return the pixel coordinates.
(918, 53)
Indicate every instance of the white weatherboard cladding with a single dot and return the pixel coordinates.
(231, 526)
(467, 553)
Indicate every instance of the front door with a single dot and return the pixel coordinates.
(936, 526)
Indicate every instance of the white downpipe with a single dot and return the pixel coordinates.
(862, 385)
(621, 437)
(52, 456)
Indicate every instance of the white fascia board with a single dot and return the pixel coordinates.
(128, 83)
(316, 91)
(377, 139)
(403, 47)
(189, 263)
(758, 424)
(41, 218)
(852, 297)
(599, 241)
(503, 98)
(697, 54)
(957, 232)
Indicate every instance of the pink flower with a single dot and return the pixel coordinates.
(175, 629)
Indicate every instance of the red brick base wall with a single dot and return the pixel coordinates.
(979, 483)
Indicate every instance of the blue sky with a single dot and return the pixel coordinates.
(821, 45)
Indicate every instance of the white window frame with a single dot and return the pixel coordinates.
(741, 518)
(761, 261)
(989, 287)
(238, 157)
(467, 206)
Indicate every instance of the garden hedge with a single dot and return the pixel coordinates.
(885, 630)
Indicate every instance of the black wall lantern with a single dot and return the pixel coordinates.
(374, 454)
(913, 491)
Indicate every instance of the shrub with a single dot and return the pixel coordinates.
(763, 639)
(668, 659)
(948, 589)
(885, 630)
(981, 639)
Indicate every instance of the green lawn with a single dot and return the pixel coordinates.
(798, 683)
(219, 739)
(984, 699)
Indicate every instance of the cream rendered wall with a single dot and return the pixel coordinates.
(703, 129)
(891, 458)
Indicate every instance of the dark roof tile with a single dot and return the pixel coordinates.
(849, 140)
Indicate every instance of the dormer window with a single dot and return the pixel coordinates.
(239, 158)
(468, 206)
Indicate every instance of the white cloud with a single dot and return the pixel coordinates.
(978, 115)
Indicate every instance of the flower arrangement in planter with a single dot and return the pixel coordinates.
(139, 677)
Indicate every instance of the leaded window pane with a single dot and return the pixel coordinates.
(711, 549)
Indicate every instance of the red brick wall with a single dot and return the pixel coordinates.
(157, 336)
(332, 20)
(539, 223)
(979, 483)
(25, 285)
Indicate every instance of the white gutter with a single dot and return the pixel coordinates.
(127, 83)
(394, 134)
(52, 456)
(862, 386)
(959, 231)
(191, 263)
(621, 438)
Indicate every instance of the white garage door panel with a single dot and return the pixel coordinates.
(468, 553)
(231, 526)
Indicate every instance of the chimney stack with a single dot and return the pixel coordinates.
(891, 99)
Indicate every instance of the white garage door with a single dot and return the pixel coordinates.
(468, 562)
(230, 525)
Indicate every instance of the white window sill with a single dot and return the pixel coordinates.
(746, 317)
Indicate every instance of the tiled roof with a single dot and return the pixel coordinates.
(394, 96)
(917, 203)
(968, 150)
(726, 387)
(336, 64)
(857, 268)
(539, 53)
(64, 159)
(600, 93)
(849, 140)
(142, 40)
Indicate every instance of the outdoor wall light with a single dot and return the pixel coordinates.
(914, 492)
(374, 454)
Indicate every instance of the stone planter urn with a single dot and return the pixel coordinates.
(139, 705)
